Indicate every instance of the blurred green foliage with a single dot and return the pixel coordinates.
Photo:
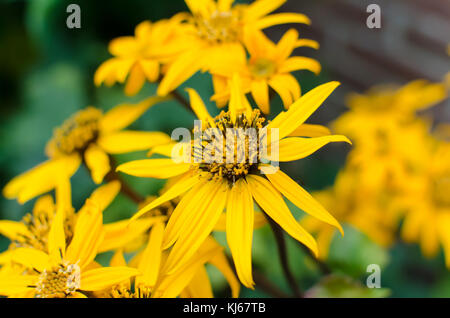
(46, 75)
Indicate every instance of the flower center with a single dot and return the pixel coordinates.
(262, 68)
(59, 282)
(219, 27)
(38, 226)
(231, 150)
(77, 132)
(125, 292)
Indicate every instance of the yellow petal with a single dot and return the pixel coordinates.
(129, 141)
(98, 162)
(176, 190)
(135, 81)
(286, 45)
(310, 130)
(261, 8)
(120, 233)
(199, 107)
(301, 198)
(41, 178)
(179, 71)
(297, 63)
(123, 115)
(194, 233)
(104, 195)
(150, 69)
(31, 258)
(57, 237)
(238, 102)
(260, 93)
(123, 45)
(278, 83)
(154, 168)
(307, 43)
(240, 218)
(102, 278)
(220, 261)
(195, 199)
(300, 110)
(150, 262)
(118, 259)
(173, 284)
(112, 70)
(200, 286)
(87, 237)
(13, 230)
(294, 148)
(281, 18)
(16, 284)
(44, 204)
(270, 200)
(259, 221)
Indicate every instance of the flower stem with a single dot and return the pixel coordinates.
(323, 267)
(125, 188)
(282, 253)
(180, 99)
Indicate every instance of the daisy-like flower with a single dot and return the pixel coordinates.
(145, 236)
(209, 188)
(89, 136)
(34, 228)
(269, 65)
(189, 281)
(427, 201)
(216, 30)
(138, 59)
(65, 271)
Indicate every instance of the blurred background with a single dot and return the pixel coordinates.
(46, 74)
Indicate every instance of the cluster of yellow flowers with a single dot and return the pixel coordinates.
(53, 249)
(396, 166)
(398, 171)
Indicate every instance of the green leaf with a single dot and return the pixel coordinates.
(340, 286)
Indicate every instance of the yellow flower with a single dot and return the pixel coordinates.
(386, 105)
(190, 280)
(88, 136)
(209, 188)
(216, 30)
(427, 200)
(65, 271)
(389, 139)
(145, 236)
(268, 65)
(139, 58)
(33, 230)
(369, 210)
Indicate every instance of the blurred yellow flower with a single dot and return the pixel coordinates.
(269, 65)
(89, 136)
(139, 58)
(209, 188)
(427, 201)
(216, 30)
(190, 280)
(368, 210)
(65, 271)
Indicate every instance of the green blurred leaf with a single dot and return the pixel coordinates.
(340, 286)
